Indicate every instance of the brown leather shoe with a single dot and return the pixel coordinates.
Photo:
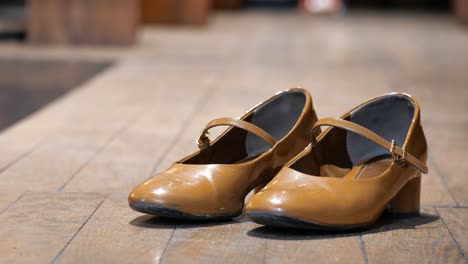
(370, 159)
(212, 183)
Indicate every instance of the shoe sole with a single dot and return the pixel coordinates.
(283, 221)
(176, 214)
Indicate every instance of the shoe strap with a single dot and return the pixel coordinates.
(203, 141)
(400, 155)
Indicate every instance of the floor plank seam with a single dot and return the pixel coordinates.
(265, 250)
(163, 255)
(460, 250)
(187, 121)
(451, 206)
(121, 130)
(363, 249)
(9, 206)
(22, 156)
(365, 54)
(55, 260)
(43, 139)
(200, 103)
(443, 179)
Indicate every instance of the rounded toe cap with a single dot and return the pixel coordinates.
(161, 194)
(158, 192)
(291, 204)
(269, 201)
(140, 195)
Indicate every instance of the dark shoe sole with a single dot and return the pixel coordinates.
(283, 221)
(176, 214)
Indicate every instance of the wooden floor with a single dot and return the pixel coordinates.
(46, 80)
(65, 171)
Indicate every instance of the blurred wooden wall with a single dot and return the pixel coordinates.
(102, 22)
(115, 22)
(194, 12)
(110, 22)
(461, 10)
(175, 11)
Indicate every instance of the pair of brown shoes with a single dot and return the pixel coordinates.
(368, 160)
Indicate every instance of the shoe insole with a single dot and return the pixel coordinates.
(330, 170)
(248, 158)
(362, 171)
(369, 170)
(389, 117)
(277, 118)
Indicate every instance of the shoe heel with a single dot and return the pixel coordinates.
(407, 200)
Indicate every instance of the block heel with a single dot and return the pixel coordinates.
(407, 200)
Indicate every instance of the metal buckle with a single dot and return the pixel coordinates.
(313, 140)
(400, 159)
(203, 141)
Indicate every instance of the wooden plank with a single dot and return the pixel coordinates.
(146, 124)
(449, 109)
(78, 132)
(39, 225)
(456, 220)
(218, 242)
(7, 198)
(105, 22)
(19, 96)
(116, 234)
(246, 242)
(82, 53)
(130, 157)
(56, 116)
(299, 246)
(446, 153)
(433, 190)
(420, 239)
(25, 136)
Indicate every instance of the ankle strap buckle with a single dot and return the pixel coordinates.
(203, 141)
(399, 154)
(400, 159)
(315, 134)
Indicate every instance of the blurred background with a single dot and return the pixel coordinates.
(48, 47)
(115, 22)
(98, 95)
